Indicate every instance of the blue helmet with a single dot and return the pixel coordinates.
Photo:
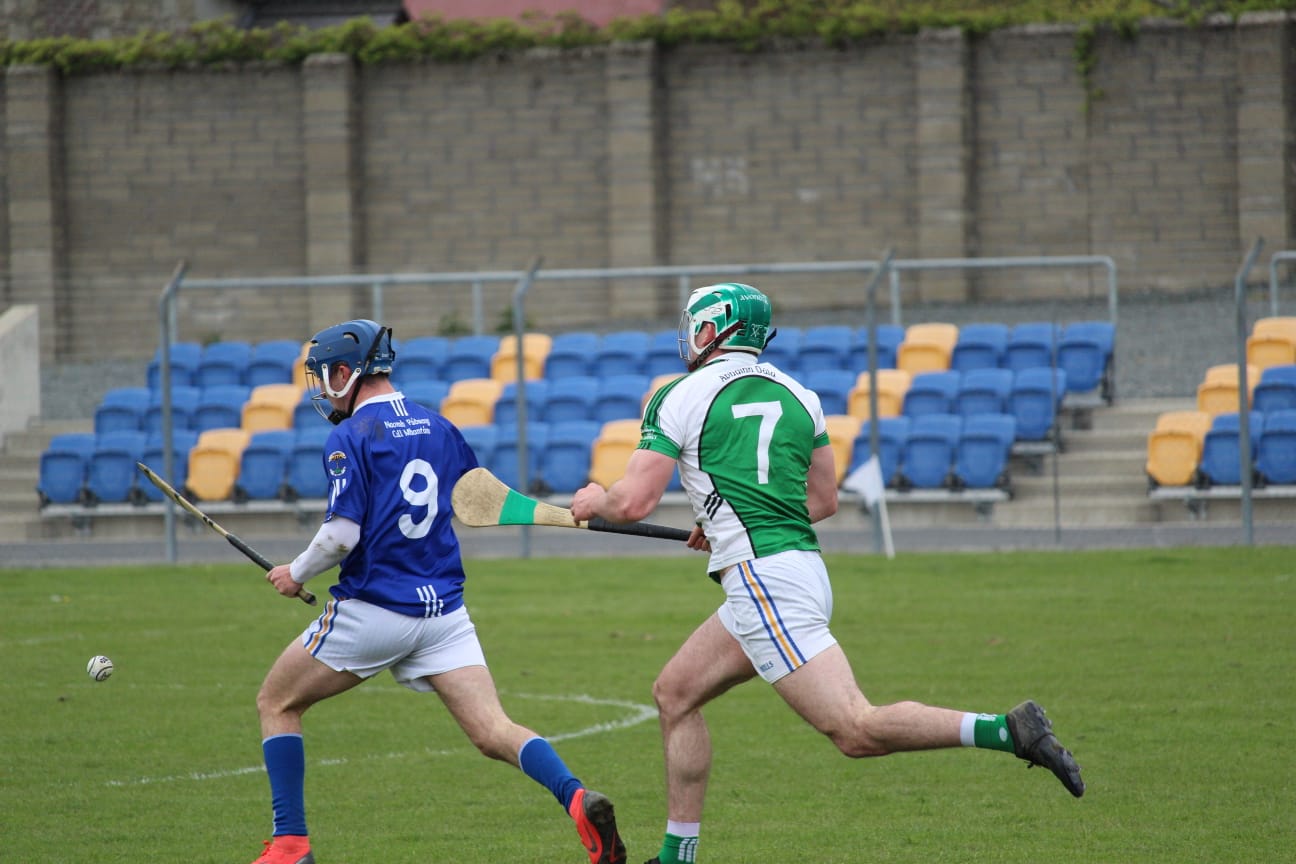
(363, 345)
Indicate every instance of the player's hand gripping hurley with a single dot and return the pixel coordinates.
(261, 560)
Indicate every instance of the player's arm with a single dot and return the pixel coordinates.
(333, 542)
(821, 484)
(631, 498)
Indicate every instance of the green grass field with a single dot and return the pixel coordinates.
(1168, 673)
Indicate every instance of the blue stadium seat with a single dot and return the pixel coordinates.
(184, 362)
(422, 358)
(931, 393)
(984, 445)
(983, 391)
(824, 347)
(571, 354)
(63, 467)
(182, 441)
(122, 409)
(223, 363)
(620, 397)
(564, 465)
(272, 362)
(1276, 390)
(979, 346)
(663, 356)
(263, 466)
(184, 402)
(306, 415)
(470, 357)
(570, 398)
(624, 352)
(1276, 453)
(928, 456)
(892, 434)
(1035, 399)
(427, 392)
(482, 440)
(1030, 345)
(304, 475)
(1221, 453)
(506, 406)
(111, 474)
(781, 351)
(1085, 353)
(833, 387)
(219, 407)
(889, 337)
(504, 459)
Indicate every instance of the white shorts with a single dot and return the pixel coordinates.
(778, 608)
(359, 637)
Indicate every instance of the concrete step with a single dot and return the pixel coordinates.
(1081, 485)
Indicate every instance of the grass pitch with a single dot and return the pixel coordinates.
(1168, 673)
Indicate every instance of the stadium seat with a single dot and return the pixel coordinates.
(184, 361)
(427, 392)
(781, 351)
(569, 398)
(182, 441)
(927, 347)
(1174, 447)
(223, 363)
(184, 401)
(979, 346)
(471, 401)
(843, 429)
(619, 397)
(1035, 399)
(889, 337)
(1272, 342)
(984, 445)
(927, 460)
(1218, 391)
(220, 407)
(504, 459)
(305, 414)
(263, 465)
(571, 354)
(122, 409)
(892, 434)
(304, 476)
(272, 362)
(1085, 353)
(983, 391)
(482, 439)
(469, 357)
(1221, 455)
(663, 356)
(535, 348)
(1031, 345)
(931, 393)
(565, 463)
(623, 352)
(611, 451)
(271, 406)
(506, 411)
(656, 384)
(422, 358)
(214, 463)
(892, 384)
(1276, 390)
(1276, 452)
(824, 347)
(833, 386)
(299, 367)
(110, 476)
(63, 467)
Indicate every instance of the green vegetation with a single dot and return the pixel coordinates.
(1166, 671)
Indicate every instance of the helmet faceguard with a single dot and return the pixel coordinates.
(362, 345)
(739, 313)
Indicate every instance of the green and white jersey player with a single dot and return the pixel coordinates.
(755, 461)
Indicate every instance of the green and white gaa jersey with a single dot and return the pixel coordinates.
(743, 433)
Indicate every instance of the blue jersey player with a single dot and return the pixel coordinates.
(398, 603)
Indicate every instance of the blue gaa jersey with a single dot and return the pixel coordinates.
(391, 467)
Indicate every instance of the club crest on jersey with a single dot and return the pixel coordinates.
(337, 464)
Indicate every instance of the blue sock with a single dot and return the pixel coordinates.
(285, 761)
(539, 761)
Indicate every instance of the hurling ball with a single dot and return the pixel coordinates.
(99, 668)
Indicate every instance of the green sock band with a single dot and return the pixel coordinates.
(678, 850)
(991, 732)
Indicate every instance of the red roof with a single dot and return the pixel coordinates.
(599, 12)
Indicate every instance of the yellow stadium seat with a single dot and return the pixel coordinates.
(612, 449)
(1175, 445)
(471, 402)
(892, 386)
(842, 431)
(656, 384)
(1218, 393)
(535, 350)
(214, 463)
(927, 348)
(299, 368)
(270, 406)
(1272, 342)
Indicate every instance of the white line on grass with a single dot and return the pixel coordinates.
(638, 713)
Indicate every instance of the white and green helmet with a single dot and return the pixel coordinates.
(739, 313)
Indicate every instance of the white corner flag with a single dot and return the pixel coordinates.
(866, 481)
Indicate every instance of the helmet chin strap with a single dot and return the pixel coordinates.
(714, 345)
(335, 416)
